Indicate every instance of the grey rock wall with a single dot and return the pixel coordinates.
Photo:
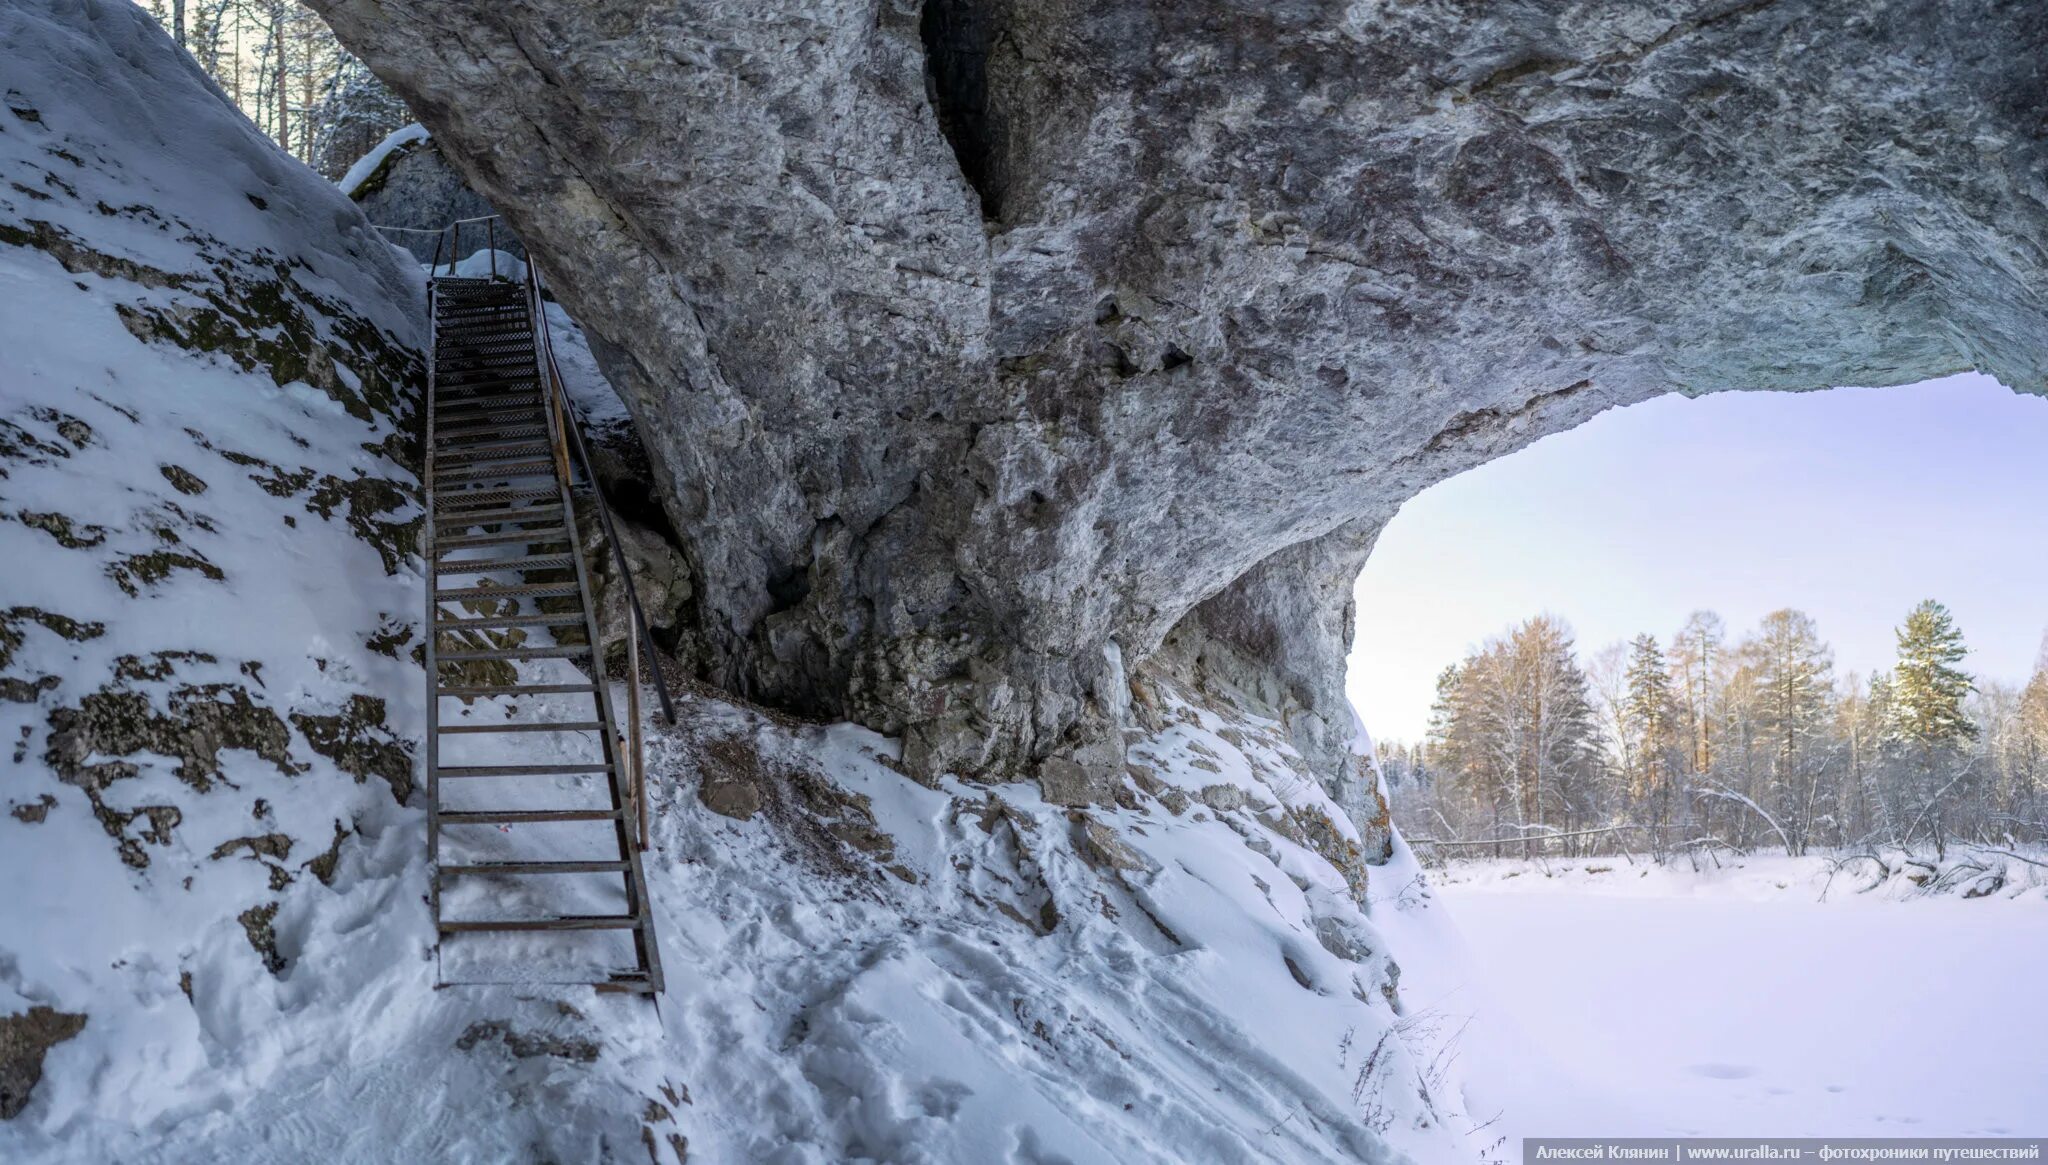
(979, 345)
(416, 189)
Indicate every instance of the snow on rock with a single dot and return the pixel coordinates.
(865, 968)
(215, 943)
(352, 183)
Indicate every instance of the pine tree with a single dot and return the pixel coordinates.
(1794, 690)
(1928, 726)
(1650, 722)
(1928, 689)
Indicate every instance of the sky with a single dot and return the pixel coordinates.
(1851, 504)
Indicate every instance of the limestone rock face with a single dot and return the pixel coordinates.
(980, 345)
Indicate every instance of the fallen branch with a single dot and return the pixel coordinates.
(2006, 853)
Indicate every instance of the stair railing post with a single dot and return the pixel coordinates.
(491, 242)
(454, 248)
(636, 746)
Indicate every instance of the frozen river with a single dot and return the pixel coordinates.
(1667, 1010)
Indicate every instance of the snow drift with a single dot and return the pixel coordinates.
(215, 943)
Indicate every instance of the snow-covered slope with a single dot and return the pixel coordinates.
(214, 943)
(205, 522)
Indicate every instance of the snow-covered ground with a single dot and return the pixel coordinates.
(1619, 999)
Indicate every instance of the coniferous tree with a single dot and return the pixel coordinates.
(1794, 687)
(1928, 689)
(1927, 723)
(1651, 724)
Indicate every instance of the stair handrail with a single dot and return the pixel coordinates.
(450, 234)
(638, 634)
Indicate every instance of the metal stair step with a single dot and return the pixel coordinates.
(462, 406)
(447, 375)
(473, 365)
(483, 315)
(468, 515)
(554, 590)
(496, 443)
(528, 468)
(464, 419)
(524, 816)
(488, 565)
(567, 922)
(536, 868)
(505, 622)
(471, 337)
(510, 389)
(484, 438)
(459, 337)
(519, 537)
(520, 770)
(475, 345)
(504, 411)
(457, 326)
(482, 452)
(506, 514)
(499, 505)
(515, 690)
(452, 459)
(530, 726)
(463, 389)
(511, 653)
(450, 367)
(452, 435)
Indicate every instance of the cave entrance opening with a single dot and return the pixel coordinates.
(1730, 541)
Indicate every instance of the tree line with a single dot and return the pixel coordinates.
(1713, 743)
(281, 65)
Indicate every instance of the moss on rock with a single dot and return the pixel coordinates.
(69, 533)
(183, 480)
(12, 620)
(365, 499)
(258, 923)
(361, 744)
(200, 721)
(132, 572)
(24, 1040)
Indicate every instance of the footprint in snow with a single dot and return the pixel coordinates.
(1722, 1071)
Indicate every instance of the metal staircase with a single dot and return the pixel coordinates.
(532, 790)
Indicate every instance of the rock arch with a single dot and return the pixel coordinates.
(1232, 281)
